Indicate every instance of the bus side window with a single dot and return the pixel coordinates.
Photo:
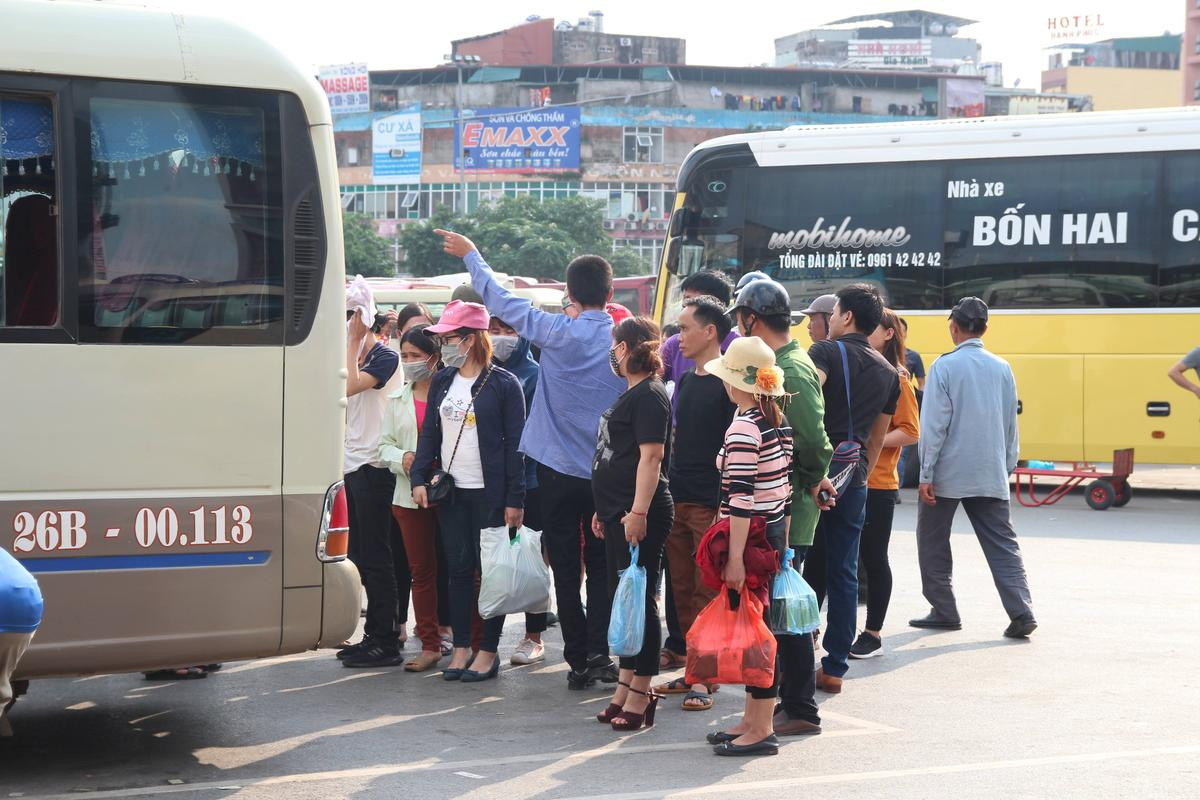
(28, 214)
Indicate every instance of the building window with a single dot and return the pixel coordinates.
(352, 155)
(1196, 91)
(1198, 35)
(643, 145)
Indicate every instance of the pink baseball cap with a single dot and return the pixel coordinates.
(458, 314)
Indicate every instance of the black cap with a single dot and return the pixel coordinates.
(969, 310)
(764, 297)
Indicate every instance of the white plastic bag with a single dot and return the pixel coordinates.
(515, 579)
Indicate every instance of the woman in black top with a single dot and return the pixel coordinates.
(633, 503)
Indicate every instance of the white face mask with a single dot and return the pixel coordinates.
(503, 347)
(452, 355)
(415, 371)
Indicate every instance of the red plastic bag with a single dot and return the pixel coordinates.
(732, 646)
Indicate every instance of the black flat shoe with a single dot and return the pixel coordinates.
(767, 747)
(720, 737)
(936, 622)
(1021, 627)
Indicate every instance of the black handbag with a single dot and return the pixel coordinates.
(440, 487)
(847, 456)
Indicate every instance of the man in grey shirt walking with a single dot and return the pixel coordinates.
(968, 449)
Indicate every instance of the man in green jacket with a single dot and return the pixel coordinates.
(763, 309)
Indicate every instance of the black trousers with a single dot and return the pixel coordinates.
(650, 556)
(876, 534)
(797, 673)
(567, 509)
(375, 535)
(534, 623)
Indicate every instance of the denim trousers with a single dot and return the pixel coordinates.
(841, 529)
(460, 522)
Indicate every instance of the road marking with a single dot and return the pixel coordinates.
(355, 676)
(469, 775)
(204, 756)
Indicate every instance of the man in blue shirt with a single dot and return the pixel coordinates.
(968, 449)
(575, 386)
(20, 615)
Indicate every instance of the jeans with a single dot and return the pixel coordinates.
(461, 520)
(567, 509)
(797, 683)
(650, 553)
(814, 565)
(534, 623)
(841, 529)
(876, 534)
(369, 505)
(418, 527)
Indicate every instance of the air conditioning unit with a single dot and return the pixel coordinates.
(626, 41)
(662, 226)
(610, 224)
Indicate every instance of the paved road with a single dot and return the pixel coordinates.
(1101, 703)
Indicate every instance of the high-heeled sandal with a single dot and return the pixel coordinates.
(613, 709)
(629, 721)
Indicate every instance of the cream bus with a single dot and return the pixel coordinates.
(1081, 231)
(172, 340)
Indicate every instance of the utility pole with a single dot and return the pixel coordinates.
(459, 62)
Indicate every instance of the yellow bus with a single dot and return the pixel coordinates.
(1080, 231)
(172, 336)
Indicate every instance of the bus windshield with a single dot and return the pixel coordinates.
(1086, 231)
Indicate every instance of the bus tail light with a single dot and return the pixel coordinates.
(333, 539)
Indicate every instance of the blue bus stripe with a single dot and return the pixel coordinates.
(149, 561)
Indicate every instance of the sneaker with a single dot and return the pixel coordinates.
(866, 646)
(602, 668)
(529, 652)
(354, 649)
(378, 654)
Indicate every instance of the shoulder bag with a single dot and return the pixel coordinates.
(847, 455)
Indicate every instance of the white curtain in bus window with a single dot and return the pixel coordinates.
(182, 229)
(1179, 275)
(1055, 232)
(817, 228)
(28, 222)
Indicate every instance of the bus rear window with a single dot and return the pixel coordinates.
(182, 222)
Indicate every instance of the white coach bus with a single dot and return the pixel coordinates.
(171, 340)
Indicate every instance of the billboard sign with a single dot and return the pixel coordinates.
(890, 53)
(518, 140)
(348, 87)
(396, 146)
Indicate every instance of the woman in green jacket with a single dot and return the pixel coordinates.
(418, 526)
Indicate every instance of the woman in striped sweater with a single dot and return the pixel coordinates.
(756, 464)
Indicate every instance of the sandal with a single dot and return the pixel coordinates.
(426, 659)
(613, 709)
(447, 644)
(669, 659)
(676, 686)
(632, 721)
(697, 701)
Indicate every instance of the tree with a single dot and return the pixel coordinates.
(521, 236)
(367, 253)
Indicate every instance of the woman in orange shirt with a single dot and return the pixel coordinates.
(883, 490)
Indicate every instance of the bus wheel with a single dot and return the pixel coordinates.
(1100, 495)
(1124, 494)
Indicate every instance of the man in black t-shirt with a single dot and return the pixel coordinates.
(874, 388)
(703, 413)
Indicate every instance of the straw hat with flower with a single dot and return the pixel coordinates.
(749, 364)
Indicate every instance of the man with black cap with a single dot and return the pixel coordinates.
(968, 449)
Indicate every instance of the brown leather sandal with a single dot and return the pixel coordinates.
(426, 659)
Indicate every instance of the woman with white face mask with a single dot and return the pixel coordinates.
(402, 422)
(473, 423)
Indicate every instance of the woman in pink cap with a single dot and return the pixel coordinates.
(473, 421)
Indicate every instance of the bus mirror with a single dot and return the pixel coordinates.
(673, 253)
(677, 222)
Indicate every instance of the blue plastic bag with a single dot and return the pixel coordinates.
(794, 608)
(627, 624)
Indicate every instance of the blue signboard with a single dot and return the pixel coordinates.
(396, 146)
(518, 139)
